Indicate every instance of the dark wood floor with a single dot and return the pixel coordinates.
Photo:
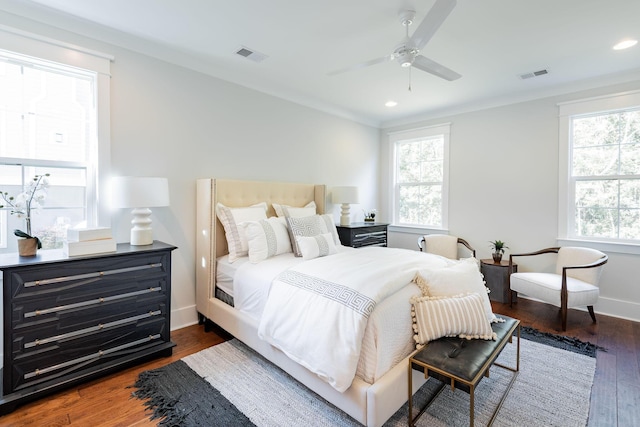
(615, 397)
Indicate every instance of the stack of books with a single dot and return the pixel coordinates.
(87, 241)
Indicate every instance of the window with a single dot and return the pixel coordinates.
(601, 169)
(420, 168)
(51, 110)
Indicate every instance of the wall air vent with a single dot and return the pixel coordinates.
(539, 73)
(251, 54)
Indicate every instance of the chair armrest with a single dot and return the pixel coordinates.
(540, 252)
(597, 263)
(467, 245)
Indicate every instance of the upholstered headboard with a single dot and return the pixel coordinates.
(210, 239)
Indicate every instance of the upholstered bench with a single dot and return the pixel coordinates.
(463, 363)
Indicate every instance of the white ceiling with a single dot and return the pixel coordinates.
(489, 42)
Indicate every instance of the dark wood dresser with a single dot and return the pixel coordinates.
(70, 319)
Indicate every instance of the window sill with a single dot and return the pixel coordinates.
(616, 247)
(414, 229)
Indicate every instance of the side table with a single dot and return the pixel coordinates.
(360, 234)
(497, 277)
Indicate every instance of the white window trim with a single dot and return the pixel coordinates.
(565, 192)
(393, 137)
(37, 46)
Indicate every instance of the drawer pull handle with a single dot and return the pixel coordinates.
(73, 334)
(89, 357)
(91, 275)
(90, 302)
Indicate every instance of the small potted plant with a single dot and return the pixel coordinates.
(498, 247)
(23, 205)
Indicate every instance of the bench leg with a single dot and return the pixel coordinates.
(471, 405)
(410, 394)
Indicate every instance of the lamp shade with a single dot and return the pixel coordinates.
(344, 195)
(139, 192)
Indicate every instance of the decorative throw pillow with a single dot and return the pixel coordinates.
(267, 238)
(307, 210)
(331, 228)
(460, 277)
(231, 218)
(461, 315)
(316, 246)
(307, 226)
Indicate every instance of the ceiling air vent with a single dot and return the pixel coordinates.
(251, 54)
(533, 74)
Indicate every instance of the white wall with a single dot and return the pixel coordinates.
(170, 121)
(504, 185)
(173, 122)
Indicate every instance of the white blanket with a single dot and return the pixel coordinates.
(317, 311)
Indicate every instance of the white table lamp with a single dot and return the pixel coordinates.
(345, 196)
(140, 193)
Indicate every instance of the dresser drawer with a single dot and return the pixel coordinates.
(79, 277)
(370, 238)
(85, 299)
(70, 352)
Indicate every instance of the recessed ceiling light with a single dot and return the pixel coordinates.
(625, 44)
(391, 104)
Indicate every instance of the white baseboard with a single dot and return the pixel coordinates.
(183, 317)
(610, 307)
(617, 308)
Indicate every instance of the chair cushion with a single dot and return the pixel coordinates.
(441, 244)
(546, 287)
(569, 255)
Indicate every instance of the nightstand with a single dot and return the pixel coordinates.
(360, 234)
(497, 277)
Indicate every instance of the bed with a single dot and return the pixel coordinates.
(371, 401)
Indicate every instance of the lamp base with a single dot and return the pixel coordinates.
(141, 233)
(345, 215)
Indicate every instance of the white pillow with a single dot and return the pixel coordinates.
(267, 238)
(460, 315)
(307, 226)
(285, 210)
(316, 246)
(458, 278)
(331, 228)
(231, 218)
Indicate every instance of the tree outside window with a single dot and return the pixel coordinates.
(420, 172)
(605, 174)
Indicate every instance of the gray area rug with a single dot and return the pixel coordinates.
(229, 384)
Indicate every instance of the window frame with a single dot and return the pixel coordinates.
(566, 195)
(41, 50)
(443, 130)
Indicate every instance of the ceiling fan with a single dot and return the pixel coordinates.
(407, 53)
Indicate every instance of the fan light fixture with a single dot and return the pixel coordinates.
(390, 104)
(625, 44)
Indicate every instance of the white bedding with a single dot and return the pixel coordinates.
(226, 271)
(324, 331)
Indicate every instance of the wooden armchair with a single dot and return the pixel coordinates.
(574, 283)
(445, 245)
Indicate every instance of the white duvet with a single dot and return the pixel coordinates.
(317, 311)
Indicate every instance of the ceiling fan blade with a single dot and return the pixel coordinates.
(361, 65)
(430, 24)
(425, 64)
